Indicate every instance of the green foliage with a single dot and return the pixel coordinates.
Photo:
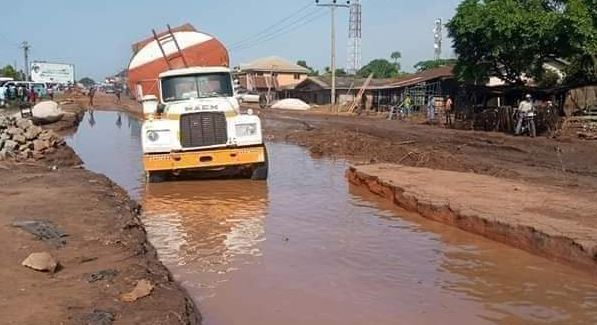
(549, 79)
(396, 55)
(303, 63)
(9, 72)
(511, 39)
(381, 68)
(432, 64)
(87, 82)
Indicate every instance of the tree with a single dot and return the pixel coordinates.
(432, 64)
(513, 39)
(396, 55)
(579, 34)
(303, 63)
(87, 82)
(339, 72)
(381, 68)
(9, 72)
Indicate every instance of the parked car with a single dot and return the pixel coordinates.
(245, 96)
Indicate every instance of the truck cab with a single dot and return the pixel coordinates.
(196, 125)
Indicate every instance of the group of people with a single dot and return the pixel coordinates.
(408, 105)
(93, 90)
(21, 94)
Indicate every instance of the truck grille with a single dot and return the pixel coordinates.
(203, 129)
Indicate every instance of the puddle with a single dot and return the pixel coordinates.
(306, 248)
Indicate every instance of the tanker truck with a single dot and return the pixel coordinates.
(192, 120)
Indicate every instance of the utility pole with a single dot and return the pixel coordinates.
(333, 5)
(26, 47)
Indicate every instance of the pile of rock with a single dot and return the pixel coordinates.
(20, 139)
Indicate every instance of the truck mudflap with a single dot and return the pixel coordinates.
(204, 159)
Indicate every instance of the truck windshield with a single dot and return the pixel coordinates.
(196, 86)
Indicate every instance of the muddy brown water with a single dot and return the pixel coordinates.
(306, 248)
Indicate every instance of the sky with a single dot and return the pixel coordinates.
(96, 36)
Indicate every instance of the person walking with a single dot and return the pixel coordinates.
(408, 105)
(50, 92)
(117, 92)
(430, 110)
(3, 95)
(449, 108)
(91, 94)
(21, 93)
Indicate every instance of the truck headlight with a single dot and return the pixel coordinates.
(158, 137)
(246, 130)
(153, 136)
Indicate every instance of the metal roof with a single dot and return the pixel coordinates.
(273, 64)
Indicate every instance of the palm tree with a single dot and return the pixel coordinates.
(396, 55)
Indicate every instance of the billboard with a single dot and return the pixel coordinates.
(52, 72)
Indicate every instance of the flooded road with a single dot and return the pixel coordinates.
(306, 248)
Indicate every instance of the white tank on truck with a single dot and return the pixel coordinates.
(192, 120)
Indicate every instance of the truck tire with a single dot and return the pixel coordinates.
(260, 171)
(155, 177)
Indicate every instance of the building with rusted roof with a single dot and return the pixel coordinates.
(434, 82)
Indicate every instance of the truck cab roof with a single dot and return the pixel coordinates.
(193, 70)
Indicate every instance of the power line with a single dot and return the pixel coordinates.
(274, 25)
(280, 32)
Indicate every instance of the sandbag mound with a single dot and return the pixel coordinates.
(47, 112)
(291, 104)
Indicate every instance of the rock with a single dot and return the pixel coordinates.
(142, 289)
(19, 138)
(32, 132)
(43, 262)
(99, 317)
(12, 131)
(108, 275)
(4, 136)
(23, 123)
(40, 145)
(47, 112)
(10, 145)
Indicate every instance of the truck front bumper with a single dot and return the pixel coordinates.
(204, 159)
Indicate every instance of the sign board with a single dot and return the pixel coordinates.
(52, 72)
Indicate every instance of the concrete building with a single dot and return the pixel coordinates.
(270, 74)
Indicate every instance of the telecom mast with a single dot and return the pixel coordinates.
(438, 37)
(354, 38)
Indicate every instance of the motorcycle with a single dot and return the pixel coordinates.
(528, 124)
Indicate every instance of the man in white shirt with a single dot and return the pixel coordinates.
(523, 109)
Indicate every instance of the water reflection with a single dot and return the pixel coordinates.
(211, 227)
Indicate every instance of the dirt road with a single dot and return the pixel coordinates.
(566, 162)
(104, 254)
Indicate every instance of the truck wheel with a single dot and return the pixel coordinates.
(155, 177)
(260, 171)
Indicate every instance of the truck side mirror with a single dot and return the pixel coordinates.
(150, 104)
(161, 108)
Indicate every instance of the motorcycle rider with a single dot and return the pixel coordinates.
(525, 107)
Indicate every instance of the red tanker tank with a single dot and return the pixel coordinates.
(176, 48)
